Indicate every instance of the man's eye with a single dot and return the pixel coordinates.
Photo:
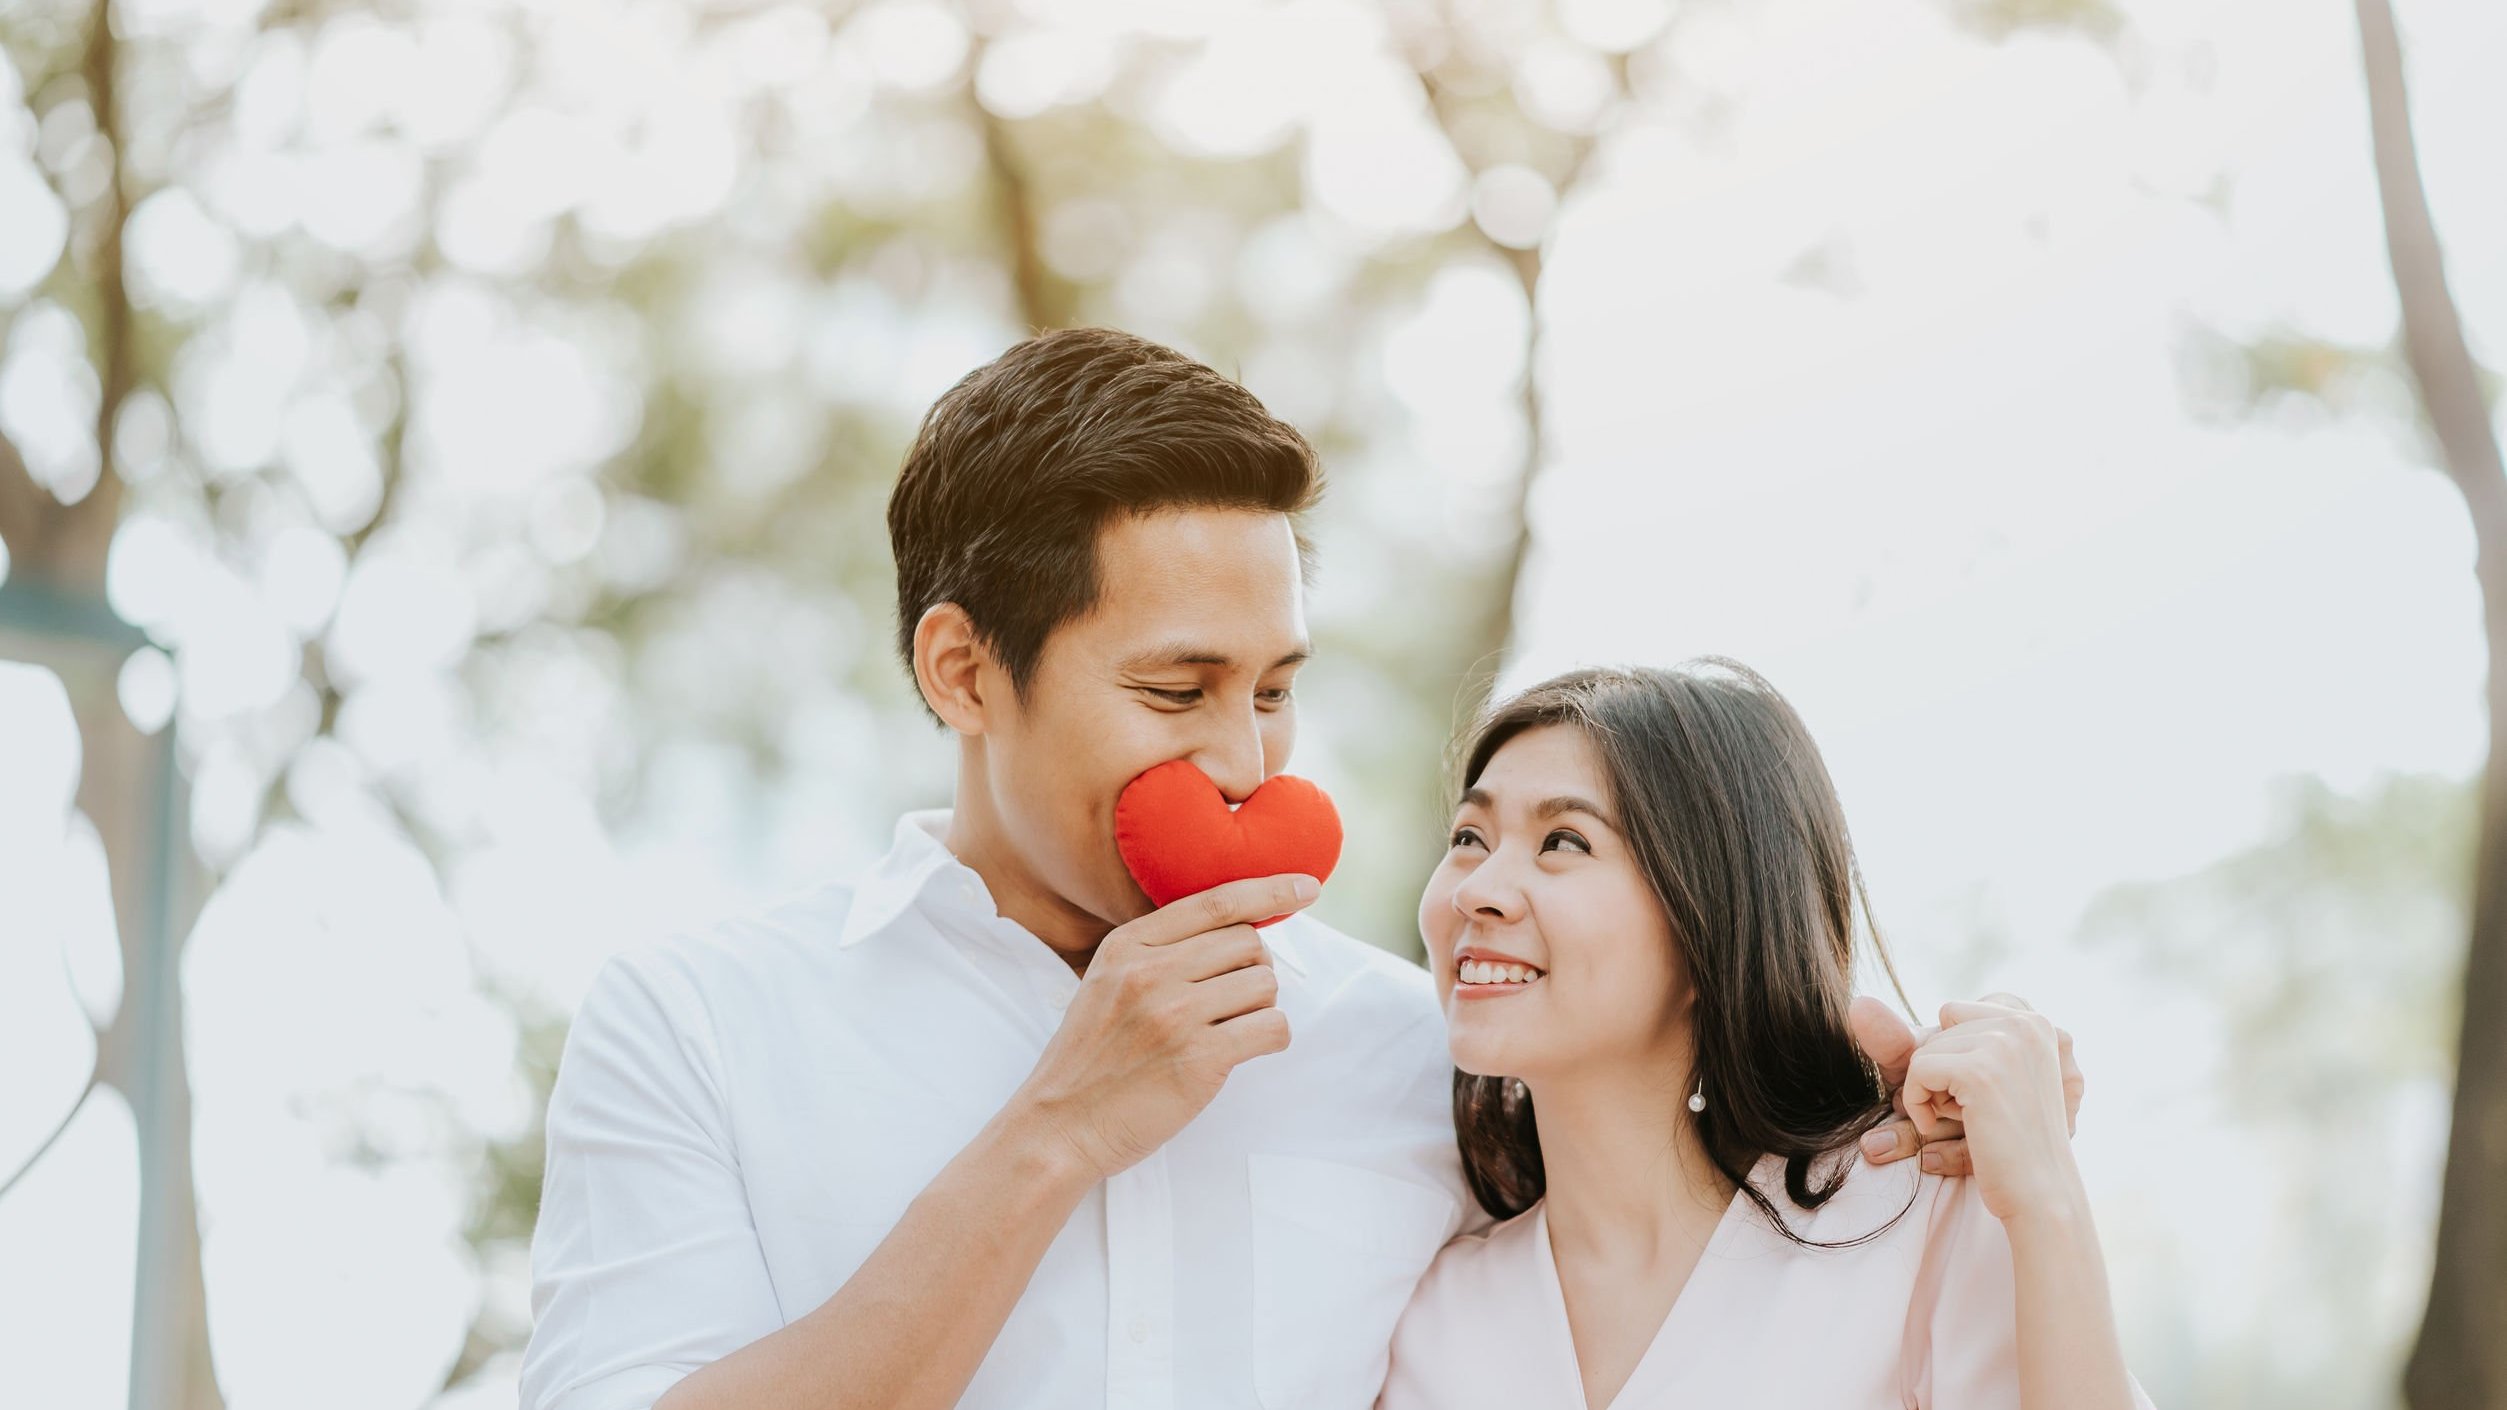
(1176, 697)
(1280, 696)
(1567, 839)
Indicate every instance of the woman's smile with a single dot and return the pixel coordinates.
(1485, 974)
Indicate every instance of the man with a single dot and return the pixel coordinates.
(982, 1128)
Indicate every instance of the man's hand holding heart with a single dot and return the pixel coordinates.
(1174, 1001)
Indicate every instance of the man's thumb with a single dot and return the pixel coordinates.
(1886, 1038)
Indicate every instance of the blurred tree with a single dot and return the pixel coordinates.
(2428, 382)
(2460, 1361)
(57, 537)
(2331, 950)
(1526, 152)
(2430, 379)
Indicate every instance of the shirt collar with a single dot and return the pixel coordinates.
(916, 860)
(919, 864)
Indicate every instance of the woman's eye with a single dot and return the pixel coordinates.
(1463, 837)
(1566, 839)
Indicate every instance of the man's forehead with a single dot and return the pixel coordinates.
(1199, 589)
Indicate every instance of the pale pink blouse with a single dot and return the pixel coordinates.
(1919, 1317)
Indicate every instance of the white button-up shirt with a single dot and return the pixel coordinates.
(742, 1115)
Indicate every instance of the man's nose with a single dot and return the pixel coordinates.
(1233, 761)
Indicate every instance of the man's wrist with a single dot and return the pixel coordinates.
(1028, 1143)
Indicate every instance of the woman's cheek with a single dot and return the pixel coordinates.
(1436, 924)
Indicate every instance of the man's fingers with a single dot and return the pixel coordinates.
(1198, 957)
(1251, 1035)
(1236, 993)
(1891, 1140)
(1887, 1039)
(1236, 903)
(1946, 1158)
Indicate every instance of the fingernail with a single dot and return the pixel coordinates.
(1932, 1162)
(1308, 888)
(1878, 1143)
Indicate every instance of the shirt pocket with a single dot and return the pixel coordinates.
(1337, 1250)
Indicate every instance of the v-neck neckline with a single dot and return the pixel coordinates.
(1637, 1374)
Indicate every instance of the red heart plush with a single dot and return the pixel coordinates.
(1178, 837)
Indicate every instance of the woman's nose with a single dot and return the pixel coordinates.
(1489, 892)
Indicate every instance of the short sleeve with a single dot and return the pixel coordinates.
(645, 1263)
(1962, 1335)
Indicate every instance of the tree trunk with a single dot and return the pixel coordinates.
(129, 788)
(2460, 1362)
(1044, 298)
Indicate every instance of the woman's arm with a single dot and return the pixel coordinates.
(2069, 1353)
(1997, 1070)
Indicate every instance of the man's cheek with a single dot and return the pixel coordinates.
(1279, 741)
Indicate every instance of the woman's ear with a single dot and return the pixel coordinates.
(949, 659)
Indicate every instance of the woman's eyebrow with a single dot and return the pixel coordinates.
(1546, 808)
(1569, 803)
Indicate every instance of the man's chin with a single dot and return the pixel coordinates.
(1129, 903)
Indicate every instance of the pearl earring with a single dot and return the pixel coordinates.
(1697, 1099)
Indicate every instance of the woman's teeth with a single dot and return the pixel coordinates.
(1489, 972)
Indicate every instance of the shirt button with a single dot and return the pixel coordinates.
(1140, 1329)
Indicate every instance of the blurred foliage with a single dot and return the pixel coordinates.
(2001, 19)
(2283, 935)
(2334, 953)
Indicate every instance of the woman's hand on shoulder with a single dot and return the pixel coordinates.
(1891, 1042)
(2000, 1071)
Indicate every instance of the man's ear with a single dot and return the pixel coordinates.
(949, 662)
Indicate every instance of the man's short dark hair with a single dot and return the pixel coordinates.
(1020, 464)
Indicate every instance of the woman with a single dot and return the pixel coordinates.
(1643, 937)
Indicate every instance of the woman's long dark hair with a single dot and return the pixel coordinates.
(1732, 818)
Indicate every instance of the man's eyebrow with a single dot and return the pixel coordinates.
(1185, 653)
(1546, 808)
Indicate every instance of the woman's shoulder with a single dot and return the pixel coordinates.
(1503, 1270)
(1491, 1282)
(1489, 1262)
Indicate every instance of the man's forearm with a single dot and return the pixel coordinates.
(913, 1323)
(2070, 1358)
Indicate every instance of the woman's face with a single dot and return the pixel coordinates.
(1549, 949)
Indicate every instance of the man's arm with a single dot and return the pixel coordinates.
(914, 1322)
(1171, 1004)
